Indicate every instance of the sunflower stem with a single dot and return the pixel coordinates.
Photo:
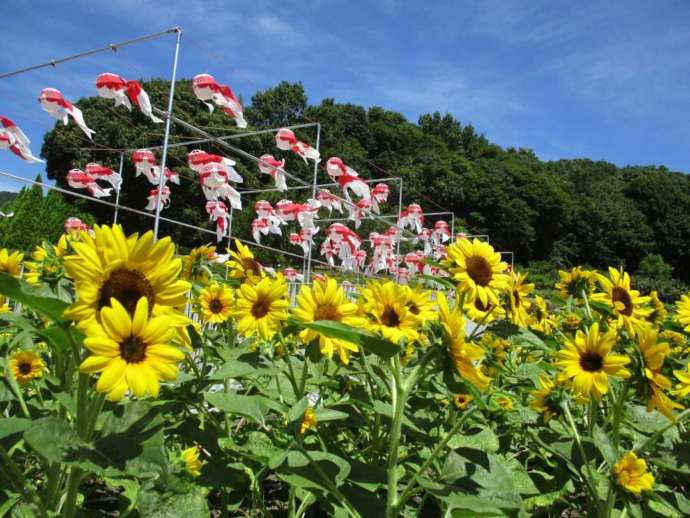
(618, 412)
(588, 310)
(649, 442)
(398, 400)
(407, 492)
(589, 476)
(18, 394)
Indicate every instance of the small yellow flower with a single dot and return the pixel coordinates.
(571, 322)
(26, 366)
(627, 305)
(683, 387)
(505, 402)
(543, 399)
(194, 265)
(216, 303)
(308, 420)
(632, 475)
(386, 305)
(192, 462)
(462, 401)
(654, 353)
(659, 313)
(519, 304)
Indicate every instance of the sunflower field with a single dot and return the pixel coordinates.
(137, 382)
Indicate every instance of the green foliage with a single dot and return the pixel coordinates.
(654, 267)
(37, 218)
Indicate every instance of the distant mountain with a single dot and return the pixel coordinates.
(6, 196)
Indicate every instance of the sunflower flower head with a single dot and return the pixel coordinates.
(131, 353)
(588, 361)
(420, 303)
(193, 464)
(109, 265)
(477, 311)
(547, 398)
(505, 402)
(243, 266)
(261, 308)
(654, 354)
(632, 474)
(308, 421)
(386, 305)
(540, 319)
(462, 401)
(26, 366)
(325, 300)
(11, 262)
(465, 356)
(477, 270)
(576, 282)
(627, 304)
(216, 303)
(683, 312)
(659, 312)
(195, 265)
(519, 304)
(47, 263)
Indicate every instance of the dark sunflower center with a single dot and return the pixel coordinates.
(414, 308)
(327, 312)
(516, 297)
(127, 286)
(261, 308)
(390, 317)
(251, 266)
(215, 306)
(479, 270)
(591, 362)
(25, 368)
(480, 305)
(621, 295)
(133, 349)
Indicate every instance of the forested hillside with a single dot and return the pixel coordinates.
(565, 212)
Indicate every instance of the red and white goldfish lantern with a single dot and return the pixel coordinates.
(61, 109)
(125, 93)
(210, 92)
(14, 139)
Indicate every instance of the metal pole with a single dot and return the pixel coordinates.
(229, 231)
(117, 194)
(313, 195)
(452, 226)
(397, 224)
(112, 47)
(168, 121)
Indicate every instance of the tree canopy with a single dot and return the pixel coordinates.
(566, 211)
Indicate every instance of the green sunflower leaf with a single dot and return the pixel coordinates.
(37, 299)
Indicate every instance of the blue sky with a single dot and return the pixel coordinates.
(603, 80)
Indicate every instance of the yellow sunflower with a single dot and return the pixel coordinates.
(4, 305)
(308, 420)
(588, 361)
(626, 303)
(678, 342)
(477, 269)
(111, 266)
(477, 311)
(243, 266)
(540, 319)
(47, 262)
(216, 303)
(576, 282)
(654, 354)
(131, 352)
(261, 308)
(659, 313)
(683, 312)
(543, 400)
(420, 303)
(11, 262)
(462, 401)
(683, 387)
(325, 300)
(464, 355)
(505, 402)
(632, 474)
(518, 290)
(26, 366)
(386, 305)
(190, 456)
(195, 265)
